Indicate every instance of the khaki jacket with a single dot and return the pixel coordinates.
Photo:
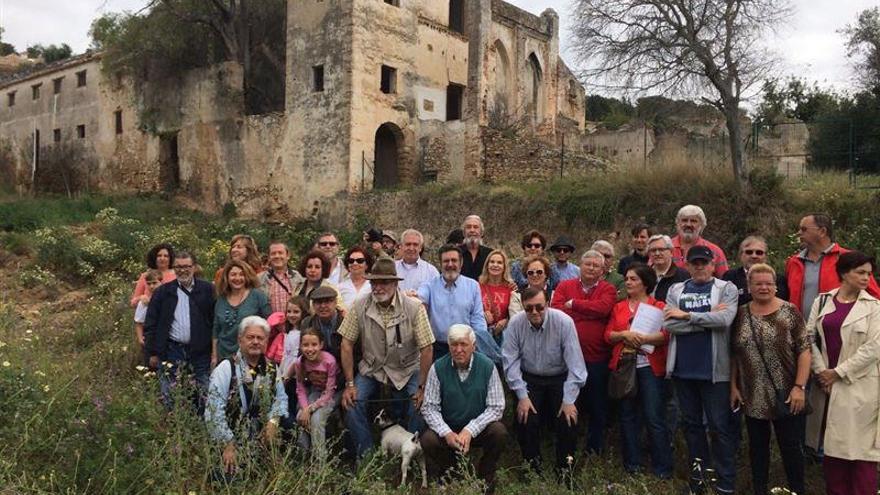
(383, 355)
(852, 426)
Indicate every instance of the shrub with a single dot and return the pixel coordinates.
(35, 276)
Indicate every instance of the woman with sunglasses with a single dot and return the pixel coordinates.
(537, 272)
(358, 261)
(533, 244)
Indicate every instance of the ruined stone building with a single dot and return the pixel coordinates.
(379, 94)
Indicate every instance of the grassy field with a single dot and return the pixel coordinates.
(77, 417)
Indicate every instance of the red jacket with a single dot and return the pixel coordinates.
(590, 314)
(828, 279)
(619, 322)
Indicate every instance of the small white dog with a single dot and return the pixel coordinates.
(397, 441)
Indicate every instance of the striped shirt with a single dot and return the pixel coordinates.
(180, 326)
(432, 411)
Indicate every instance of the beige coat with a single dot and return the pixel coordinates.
(852, 428)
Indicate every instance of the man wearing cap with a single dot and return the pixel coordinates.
(473, 252)
(698, 315)
(562, 269)
(411, 267)
(326, 318)
(394, 336)
(389, 243)
(690, 221)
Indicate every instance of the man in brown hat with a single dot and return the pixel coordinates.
(395, 340)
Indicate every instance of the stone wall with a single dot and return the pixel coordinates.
(523, 158)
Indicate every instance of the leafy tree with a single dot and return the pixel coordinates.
(5, 48)
(794, 99)
(863, 44)
(50, 53)
(699, 47)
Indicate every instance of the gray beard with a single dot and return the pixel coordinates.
(474, 242)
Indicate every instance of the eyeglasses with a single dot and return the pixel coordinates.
(359, 261)
(532, 273)
(658, 250)
(758, 252)
(562, 250)
(328, 243)
(183, 267)
(534, 308)
(534, 245)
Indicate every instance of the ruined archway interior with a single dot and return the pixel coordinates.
(534, 89)
(386, 165)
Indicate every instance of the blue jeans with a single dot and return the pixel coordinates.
(359, 425)
(199, 365)
(651, 402)
(593, 401)
(697, 398)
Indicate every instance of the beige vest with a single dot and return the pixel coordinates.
(384, 357)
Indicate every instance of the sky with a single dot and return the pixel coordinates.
(808, 43)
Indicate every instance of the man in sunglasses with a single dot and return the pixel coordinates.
(545, 368)
(753, 250)
(562, 269)
(329, 244)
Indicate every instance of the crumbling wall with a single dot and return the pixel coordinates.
(524, 158)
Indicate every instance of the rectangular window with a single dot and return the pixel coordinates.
(56, 85)
(35, 91)
(117, 115)
(11, 98)
(56, 135)
(318, 78)
(456, 16)
(80, 79)
(389, 80)
(454, 96)
(396, 3)
(81, 131)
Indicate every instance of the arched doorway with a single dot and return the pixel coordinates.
(534, 89)
(501, 72)
(386, 161)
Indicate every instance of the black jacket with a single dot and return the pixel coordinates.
(160, 315)
(738, 277)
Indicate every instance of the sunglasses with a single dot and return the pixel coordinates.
(534, 272)
(562, 250)
(758, 252)
(328, 243)
(359, 261)
(534, 308)
(534, 246)
(183, 267)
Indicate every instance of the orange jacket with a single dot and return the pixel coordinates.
(619, 322)
(828, 279)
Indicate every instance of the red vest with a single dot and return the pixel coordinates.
(828, 279)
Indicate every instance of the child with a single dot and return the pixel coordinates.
(284, 349)
(153, 279)
(315, 390)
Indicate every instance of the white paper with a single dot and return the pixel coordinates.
(647, 320)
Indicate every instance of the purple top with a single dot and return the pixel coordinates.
(831, 325)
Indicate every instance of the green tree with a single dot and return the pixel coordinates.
(5, 48)
(50, 53)
(863, 45)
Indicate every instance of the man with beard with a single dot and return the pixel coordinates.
(329, 244)
(473, 252)
(395, 340)
(689, 223)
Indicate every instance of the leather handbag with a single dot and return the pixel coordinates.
(623, 384)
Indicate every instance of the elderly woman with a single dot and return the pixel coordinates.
(533, 244)
(238, 388)
(358, 262)
(650, 370)
(159, 257)
(236, 300)
(770, 362)
(537, 272)
(844, 326)
(242, 247)
(496, 288)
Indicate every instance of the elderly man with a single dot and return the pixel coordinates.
(753, 250)
(178, 326)
(279, 281)
(641, 232)
(606, 249)
(544, 367)
(562, 269)
(236, 393)
(463, 405)
(473, 252)
(411, 267)
(813, 270)
(690, 223)
(326, 318)
(660, 259)
(698, 315)
(329, 244)
(589, 301)
(395, 340)
(453, 298)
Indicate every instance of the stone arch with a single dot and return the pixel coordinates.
(502, 88)
(534, 88)
(392, 159)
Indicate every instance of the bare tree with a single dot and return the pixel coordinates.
(706, 48)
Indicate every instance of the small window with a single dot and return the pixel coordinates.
(56, 85)
(80, 79)
(81, 131)
(396, 3)
(454, 94)
(456, 16)
(35, 91)
(56, 135)
(10, 97)
(318, 78)
(389, 80)
(117, 115)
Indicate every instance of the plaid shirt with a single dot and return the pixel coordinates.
(278, 296)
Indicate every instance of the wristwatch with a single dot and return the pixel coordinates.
(349, 384)
(802, 387)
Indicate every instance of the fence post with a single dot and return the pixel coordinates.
(363, 170)
(645, 145)
(562, 157)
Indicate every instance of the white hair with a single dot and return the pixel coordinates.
(602, 244)
(667, 241)
(692, 211)
(415, 232)
(459, 332)
(474, 217)
(592, 253)
(253, 321)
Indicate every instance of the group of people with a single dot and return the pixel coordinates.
(672, 333)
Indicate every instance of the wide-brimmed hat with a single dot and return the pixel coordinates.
(323, 292)
(390, 234)
(562, 241)
(383, 269)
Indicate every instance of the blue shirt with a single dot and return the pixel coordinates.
(694, 354)
(559, 273)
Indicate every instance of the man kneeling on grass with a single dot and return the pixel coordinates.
(246, 396)
(463, 406)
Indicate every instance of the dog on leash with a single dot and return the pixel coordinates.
(397, 441)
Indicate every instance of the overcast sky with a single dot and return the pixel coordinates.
(808, 44)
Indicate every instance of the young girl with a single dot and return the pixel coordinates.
(152, 279)
(284, 349)
(315, 390)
